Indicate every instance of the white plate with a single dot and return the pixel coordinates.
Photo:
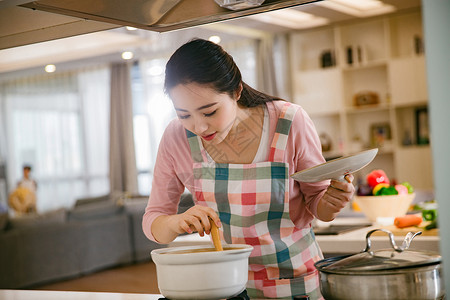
(337, 168)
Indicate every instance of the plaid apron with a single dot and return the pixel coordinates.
(252, 202)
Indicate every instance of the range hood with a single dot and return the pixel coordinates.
(157, 15)
(84, 16)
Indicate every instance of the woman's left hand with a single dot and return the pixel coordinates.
(338, 194)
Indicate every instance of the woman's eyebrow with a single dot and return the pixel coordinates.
(200, 108)
(206, 106)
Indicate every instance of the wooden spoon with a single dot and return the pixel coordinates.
(215, 236)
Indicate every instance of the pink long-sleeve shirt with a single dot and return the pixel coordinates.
(173, 170)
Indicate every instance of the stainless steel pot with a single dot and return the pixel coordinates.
(396, 273)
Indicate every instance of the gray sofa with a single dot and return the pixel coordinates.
(97, 233)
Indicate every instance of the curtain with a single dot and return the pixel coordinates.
(273, 73)
(47, 121)
(3, 185)
(122, 160)
(244, 54)
(281, 58)
(94, 92)
(153, 111)
(266, 73)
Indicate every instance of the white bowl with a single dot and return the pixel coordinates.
(384, 207)
(202, 275)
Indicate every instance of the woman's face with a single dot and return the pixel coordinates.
(203, 111)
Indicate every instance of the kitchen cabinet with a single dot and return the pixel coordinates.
(364, 85)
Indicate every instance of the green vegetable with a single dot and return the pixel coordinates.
(429, 214)
(385, 191)
(409, 187)
(432, 225)
(417, 207)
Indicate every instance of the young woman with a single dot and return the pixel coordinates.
(234, 148)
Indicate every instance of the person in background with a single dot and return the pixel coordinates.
(27, 182)
(234, 148)
(23, 199)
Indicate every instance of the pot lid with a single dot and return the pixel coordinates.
(385, 259)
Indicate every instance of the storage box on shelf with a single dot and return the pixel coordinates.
(371, 93)
(406, 35)
(363, 43)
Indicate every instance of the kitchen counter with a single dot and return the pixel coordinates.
(58, 295)
(355, 240)
(340, 244)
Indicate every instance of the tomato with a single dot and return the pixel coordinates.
(375, 177)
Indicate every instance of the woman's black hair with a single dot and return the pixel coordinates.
(204, 62)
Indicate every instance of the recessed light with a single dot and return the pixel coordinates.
(358, 8)
(215, 39)
(130, 28)
(50, 68)
(290, 18)
(155, 71)
(127, 55)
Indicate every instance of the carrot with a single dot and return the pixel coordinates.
(407, 221)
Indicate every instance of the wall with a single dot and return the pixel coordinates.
(437, 43)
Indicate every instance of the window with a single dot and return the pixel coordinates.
(244, 55)
(152, 111)
(59, 125)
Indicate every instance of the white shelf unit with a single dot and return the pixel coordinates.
(387, 59)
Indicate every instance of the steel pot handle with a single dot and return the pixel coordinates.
(405, 245)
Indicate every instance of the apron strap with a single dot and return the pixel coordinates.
(197, 151)
(282, 132)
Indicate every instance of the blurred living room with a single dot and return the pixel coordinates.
(82, 105)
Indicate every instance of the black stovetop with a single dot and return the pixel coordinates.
(241, 296)
(337, 229)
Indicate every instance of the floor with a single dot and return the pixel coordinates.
(138, 278)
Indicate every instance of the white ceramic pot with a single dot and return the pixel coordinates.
(202, 275)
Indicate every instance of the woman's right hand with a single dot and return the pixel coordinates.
(194, 219)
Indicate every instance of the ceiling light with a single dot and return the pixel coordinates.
(50, 68)
(358, 8)
(155, 71)
(290, 18)
(215, 39)
(130, 28)
(127, 55)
